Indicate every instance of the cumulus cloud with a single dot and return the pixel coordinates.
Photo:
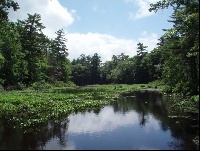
(106, 45)
(103, 44)
(143, 10)
(53, 15)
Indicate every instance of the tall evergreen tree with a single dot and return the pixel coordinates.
(60, 69)
(141, 49)
(95, 69)
(140, 73)
(34, 46)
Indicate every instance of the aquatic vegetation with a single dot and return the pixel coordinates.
(29, 108)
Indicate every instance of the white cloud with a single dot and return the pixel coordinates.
(106, 45)
(53, 15)
(143, 10)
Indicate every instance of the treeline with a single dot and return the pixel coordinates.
(28, 56)
(142, 68)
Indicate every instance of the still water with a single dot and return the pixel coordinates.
(139, 121)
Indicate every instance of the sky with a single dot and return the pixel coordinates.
(105, 27)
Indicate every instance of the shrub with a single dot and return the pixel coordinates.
(167, 89)
(64, 84)
(41, 85)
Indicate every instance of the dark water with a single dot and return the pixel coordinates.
(139, 121)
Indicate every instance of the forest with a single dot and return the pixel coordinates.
(28, 57)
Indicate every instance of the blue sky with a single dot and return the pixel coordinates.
(106, 27)
(112, 17)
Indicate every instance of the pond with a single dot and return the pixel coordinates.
(139, 120)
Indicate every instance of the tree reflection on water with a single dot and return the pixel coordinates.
(144, 109)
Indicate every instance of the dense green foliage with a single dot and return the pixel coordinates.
(27, 55)
(180, 46)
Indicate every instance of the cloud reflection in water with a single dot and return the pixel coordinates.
(106, 120)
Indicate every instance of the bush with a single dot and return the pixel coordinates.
(41, 85)
(167, 89)
(64, 84)
(71, 84)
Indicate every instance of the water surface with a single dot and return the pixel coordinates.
(137, 121)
